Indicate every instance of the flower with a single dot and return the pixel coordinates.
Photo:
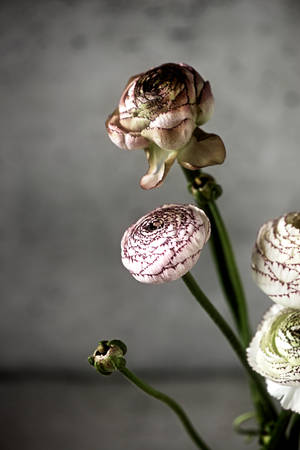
(160, 111)
(108, 356)
(165, 244)
(274, 353)
(276, 259)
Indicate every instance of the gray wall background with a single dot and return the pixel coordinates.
(67, 194)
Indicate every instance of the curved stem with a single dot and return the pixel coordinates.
(168, 401)
(238, 421)
(226, 265)
(269, 411)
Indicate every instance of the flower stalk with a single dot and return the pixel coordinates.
(269, 413)
(205, 191)
(109, 357)
(277, 439)
(178, 410)
(294, 435)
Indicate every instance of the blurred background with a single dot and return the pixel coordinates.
(68, 194)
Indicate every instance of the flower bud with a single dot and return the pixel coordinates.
(276, 259)
(108, 356)
(160, 111)
(165, 244)
(274, 353)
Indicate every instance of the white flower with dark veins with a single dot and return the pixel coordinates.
(165, 244)
(276, 259)
(274, 353)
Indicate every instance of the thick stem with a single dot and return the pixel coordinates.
(269, 411)
(278, 438)
(228, 272)
(294, 437)
(198, 441)
(225, 262)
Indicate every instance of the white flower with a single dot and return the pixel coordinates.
(165, 244)
(276, 259)
(274, 353)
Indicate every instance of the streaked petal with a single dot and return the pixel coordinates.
(276, 259)
(123, 138)
(164, 245)
(174, 117)
(173, 138)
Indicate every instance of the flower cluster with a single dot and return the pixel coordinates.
(275, 349)
(165, 244)
(160, 111)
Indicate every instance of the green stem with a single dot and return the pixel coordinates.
(294, 438)
(168, 401)
(277, 440)
(228, 272)
(269, 411)
(240, 420)
(225, 262)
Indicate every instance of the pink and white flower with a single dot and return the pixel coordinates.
(160, 111)
(276, 259)
(165, 244)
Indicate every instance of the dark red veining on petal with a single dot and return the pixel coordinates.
(157, 242)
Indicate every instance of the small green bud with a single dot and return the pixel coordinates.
(108, 356)
(205, 185)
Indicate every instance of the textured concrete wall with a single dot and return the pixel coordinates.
(67, 194)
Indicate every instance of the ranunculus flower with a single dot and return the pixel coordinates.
(160, 111)
(165, 244)
(274, 353)
(276, 259)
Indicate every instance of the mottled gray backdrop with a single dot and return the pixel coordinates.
(67, 194)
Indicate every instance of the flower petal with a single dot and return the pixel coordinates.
(127, 100)
(205, 104)
(170, 138)
(174, 117)
(204, 149)
(123, 138)
(160, 162)
(289, 396)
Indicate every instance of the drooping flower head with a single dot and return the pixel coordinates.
(275, 354)
(276, 259)
(160, 111)
(165, 244)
